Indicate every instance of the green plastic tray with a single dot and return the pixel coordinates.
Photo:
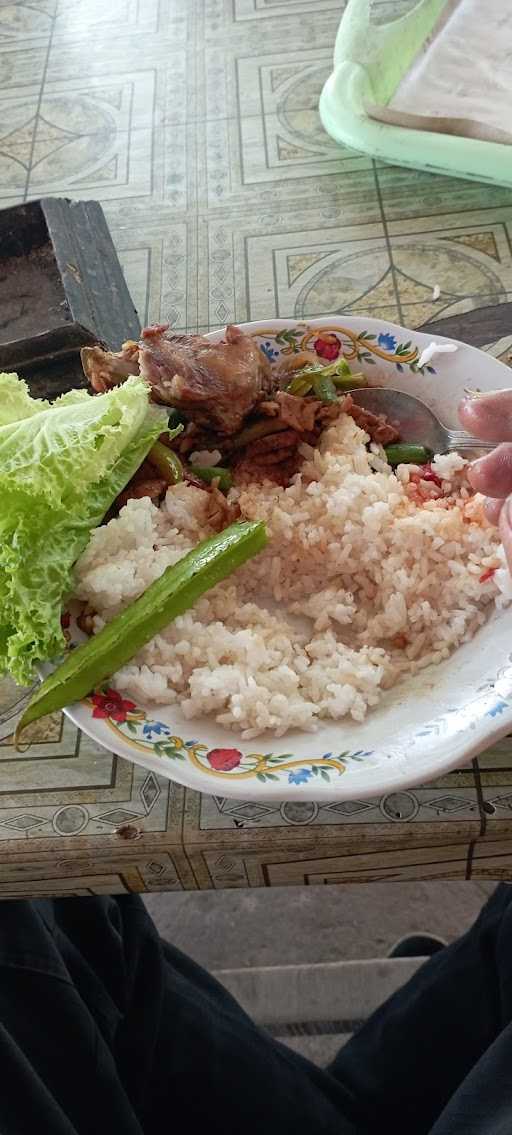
(369, 62)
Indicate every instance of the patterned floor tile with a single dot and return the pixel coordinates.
(104, 165)
(113, 97)
(466, 254)
(95, 19)
(263, 9)
(21, 68)
(137, 167)
(410, 193)
(17, 128)
(143, 77)
(269, 30)
(264, 265)
(234, 83)
(159, 263)
(261, 162)
(28, 22)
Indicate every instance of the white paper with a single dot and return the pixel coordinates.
(462, 77)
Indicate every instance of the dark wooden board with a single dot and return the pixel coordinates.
(479, 327)
(61, 287)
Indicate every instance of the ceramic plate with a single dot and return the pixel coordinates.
(422, 728)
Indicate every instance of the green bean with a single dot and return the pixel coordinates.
(85, 668)
(350, 381)
(300, 385)
(210, 472)
(338, 373)
(324, 388)
(403, 454)
(338, 369)
(167, 462)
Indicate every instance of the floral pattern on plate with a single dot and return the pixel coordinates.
(142, 732)
(331, 342)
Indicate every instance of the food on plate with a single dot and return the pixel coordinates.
(61, 467)
(379, 561)
(167, 597)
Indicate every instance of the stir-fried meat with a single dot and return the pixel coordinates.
(270, 450)
(305, 415)
(216, 384)
(298, 413)
(376, 425)
(248, 472)
(193, 439)
(154, 488)
(276, 456)
(272, 458)
(105, 369)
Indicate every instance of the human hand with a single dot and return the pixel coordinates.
(489, 417)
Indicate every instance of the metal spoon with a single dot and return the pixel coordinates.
(416, 421)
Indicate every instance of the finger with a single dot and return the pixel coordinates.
(506, 530)
(493, 509)
(488, 417)
(492, 475)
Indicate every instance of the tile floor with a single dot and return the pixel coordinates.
(194, 122)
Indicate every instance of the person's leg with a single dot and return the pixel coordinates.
(445, 1036)
(58, 1075)
(104, 1027)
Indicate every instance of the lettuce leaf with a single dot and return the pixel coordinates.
(61, 467)
(15, 400)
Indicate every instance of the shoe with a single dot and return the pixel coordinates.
(417, 946)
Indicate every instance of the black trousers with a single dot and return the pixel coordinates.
(105, 1028)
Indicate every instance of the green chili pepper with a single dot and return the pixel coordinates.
(167, 462)
(324, 388)
(210, 472)
(300, 385)
(175, 592)
(403, 454)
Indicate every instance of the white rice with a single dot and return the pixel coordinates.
(358, 587)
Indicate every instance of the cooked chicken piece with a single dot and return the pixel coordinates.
(216, 384)
(105, 369)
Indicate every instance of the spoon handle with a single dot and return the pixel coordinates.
(459, 439)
